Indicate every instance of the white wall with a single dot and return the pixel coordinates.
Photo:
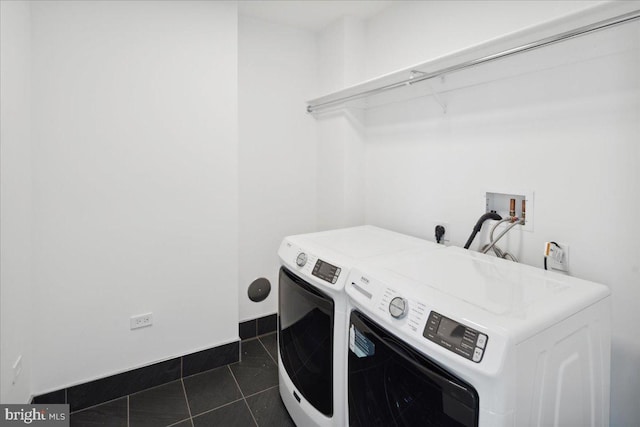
(135, 175)
(412, 32)
(568, 132)
(277, 149)
(15, 201)
(340, 137)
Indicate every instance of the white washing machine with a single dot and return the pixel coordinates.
(458, 338)
(311, 315)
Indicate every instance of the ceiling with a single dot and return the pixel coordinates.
(311, 15)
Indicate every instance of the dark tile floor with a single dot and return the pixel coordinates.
(241, 394)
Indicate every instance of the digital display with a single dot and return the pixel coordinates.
(455, 337)
(451, 331)
(326, 269)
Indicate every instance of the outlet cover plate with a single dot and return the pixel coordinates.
(141, 321)
(563, 265)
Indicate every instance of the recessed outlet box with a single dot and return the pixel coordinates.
(141, 320)
(500, 201)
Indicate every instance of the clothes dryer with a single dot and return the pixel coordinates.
(311, 316)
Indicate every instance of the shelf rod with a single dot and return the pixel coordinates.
(567, 35)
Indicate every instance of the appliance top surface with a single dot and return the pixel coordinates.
(485, 289)
(357, 243)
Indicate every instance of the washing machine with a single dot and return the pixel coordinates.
(312, 318)
(459, 338)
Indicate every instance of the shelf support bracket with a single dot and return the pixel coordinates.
(415, 73)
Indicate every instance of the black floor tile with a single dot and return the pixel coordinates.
(270, 342)
(268, 409)
(106, 389)
(256, 371)
(210, 398)
(110, 414)
(234, 414)
(210, 359)
(159, 406)
(210, 390)
(267, 324)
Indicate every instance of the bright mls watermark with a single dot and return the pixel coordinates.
(34, 415)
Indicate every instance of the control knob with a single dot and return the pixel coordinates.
(302, 259)
(398, 307)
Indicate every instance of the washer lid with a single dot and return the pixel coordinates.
(494, 293)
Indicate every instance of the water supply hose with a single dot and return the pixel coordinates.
(493, 242)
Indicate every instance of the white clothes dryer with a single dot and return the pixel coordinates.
(458, 338)
(311, 315)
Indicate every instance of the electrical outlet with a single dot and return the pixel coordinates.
(141, 320)
(446, 237)
(557, 256)
(17, 369)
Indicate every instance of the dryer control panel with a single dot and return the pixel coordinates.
(326, 271)
(456, 337)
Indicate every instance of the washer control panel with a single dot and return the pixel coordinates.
(326, 271)
(301, 260)
(398, 307)
(455, 337)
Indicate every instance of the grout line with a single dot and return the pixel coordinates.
(236, 381)
(208, 370)
(261, 391)
(245, 397)
(228, 366)
(97, 404)
(178, 422)
(267, 333)
(128, 412)
(267, 350)
(251, 412)
(217, 407)
(184, 390)
(155, 386)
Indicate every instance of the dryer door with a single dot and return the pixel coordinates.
(306, 339)
(391, 384)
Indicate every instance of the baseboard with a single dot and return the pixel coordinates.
(112, 387)
(259, 326)
(105, 389)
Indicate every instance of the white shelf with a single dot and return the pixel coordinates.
(554, 43)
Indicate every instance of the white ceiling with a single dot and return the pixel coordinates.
(311, 15)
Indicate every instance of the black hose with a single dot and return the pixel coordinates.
(439, 233)
(478, 226)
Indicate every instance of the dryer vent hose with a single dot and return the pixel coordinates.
(478, 226)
